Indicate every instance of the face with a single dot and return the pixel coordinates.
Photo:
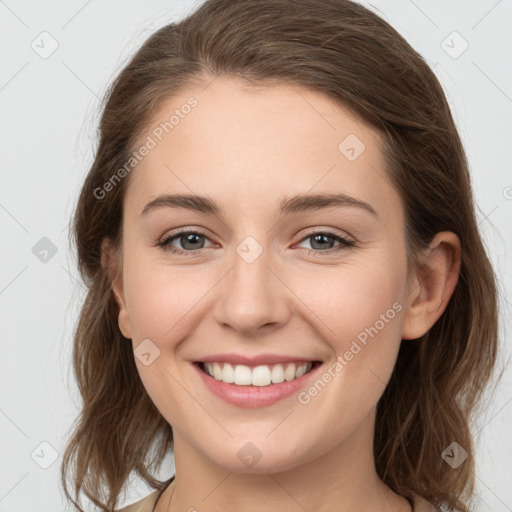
(312, 282)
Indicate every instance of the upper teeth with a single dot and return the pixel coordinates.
(264, 375)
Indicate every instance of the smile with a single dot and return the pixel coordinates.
(255, 387)
(263, 375)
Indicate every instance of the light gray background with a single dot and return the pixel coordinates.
(49, 112)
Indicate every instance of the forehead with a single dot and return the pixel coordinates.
(233, 139)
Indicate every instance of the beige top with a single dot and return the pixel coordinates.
(146, 504)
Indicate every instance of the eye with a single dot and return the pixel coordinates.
(189, 239)
(323, 242)
(192, 241)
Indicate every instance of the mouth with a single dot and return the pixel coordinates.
(257, 376)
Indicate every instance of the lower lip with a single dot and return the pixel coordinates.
(252, 397)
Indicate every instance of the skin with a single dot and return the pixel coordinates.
(247, 148)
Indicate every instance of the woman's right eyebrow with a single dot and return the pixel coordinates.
(287, 205)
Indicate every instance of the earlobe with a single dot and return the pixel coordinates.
(433, 285)
(124, 323)
(109, 263)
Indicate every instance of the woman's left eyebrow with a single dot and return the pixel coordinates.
(287, 205)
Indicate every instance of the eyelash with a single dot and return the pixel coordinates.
(345, 242)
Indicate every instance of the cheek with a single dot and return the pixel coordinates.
(358, 311)
(359, 317)
(165, 305)
(354, 299)
(162, 300)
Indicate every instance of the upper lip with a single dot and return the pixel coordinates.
(261, 359)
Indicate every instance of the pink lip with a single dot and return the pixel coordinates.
(262, 359)
(252, 397)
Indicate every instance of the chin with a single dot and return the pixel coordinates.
(257, 458)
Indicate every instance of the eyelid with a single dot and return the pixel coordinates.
(311, 231)
(327, 231)
(164, 240)
(345, 242)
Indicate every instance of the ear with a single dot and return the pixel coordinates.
(433, 284)
(110, 262)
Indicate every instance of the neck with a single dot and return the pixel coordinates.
(342, 479)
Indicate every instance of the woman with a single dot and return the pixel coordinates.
(287, 286)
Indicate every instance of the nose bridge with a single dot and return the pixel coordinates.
(251, 296)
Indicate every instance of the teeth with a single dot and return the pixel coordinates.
(289, 373)
(242, 375)
(264, 375)
(260, 376)
(217, 371)
(301, 370)
(227, 374)
(277, 374)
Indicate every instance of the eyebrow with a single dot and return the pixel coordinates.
(287, 205)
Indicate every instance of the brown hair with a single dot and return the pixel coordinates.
(345, 51)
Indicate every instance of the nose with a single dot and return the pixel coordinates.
(252, 296)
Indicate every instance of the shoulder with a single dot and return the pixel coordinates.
(144, 505)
